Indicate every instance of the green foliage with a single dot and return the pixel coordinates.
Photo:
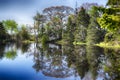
(113, 3)
(11, 55)
(2, 31)
(23, 34)
(71, 25)
(94, 33)
(10, 25)
(44, 39)
(109, 22)
(82, 25)
(83, 18)
(109, 37)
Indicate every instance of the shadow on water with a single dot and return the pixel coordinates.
(52, 62)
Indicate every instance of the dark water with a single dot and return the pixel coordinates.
(55, 62)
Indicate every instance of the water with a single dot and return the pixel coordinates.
(55, 62)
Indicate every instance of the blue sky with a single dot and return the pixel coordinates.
(23, 10)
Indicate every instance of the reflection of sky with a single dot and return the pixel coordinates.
(24, 10)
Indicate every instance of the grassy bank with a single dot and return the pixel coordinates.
(65, 42)
(109, 44)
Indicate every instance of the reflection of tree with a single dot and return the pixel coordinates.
(38, 58)
(2, 47)
(77, 57)
(93, 53)
(50, 60)
(81, 62)
(11, 54)
(112, 65)
(23, 46)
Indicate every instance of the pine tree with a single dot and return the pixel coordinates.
(82, 25)
(94, 33)
(71, 28)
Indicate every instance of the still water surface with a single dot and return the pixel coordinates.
(55, 62)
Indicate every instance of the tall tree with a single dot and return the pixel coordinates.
(39, 20)
(58, 14)
(71, 25)
(94, 32)
(83, 20)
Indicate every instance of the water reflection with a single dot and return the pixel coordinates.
(2, 48)
(56, 62)
(51, 61)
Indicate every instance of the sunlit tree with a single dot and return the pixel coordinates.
(10, 25)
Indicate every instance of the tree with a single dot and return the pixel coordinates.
(110, 20)
(10, 25)
(57, 15)
(24, 33)
(94, 32)
(3, 32)
(88, 6)
(39, 20)
(113, 3)
(71, 25)
(57, 11)
(82, 25)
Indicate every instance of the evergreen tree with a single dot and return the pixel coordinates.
(82, 25)
(71, 28)
(94, 33)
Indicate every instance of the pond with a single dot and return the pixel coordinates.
(56, 62)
